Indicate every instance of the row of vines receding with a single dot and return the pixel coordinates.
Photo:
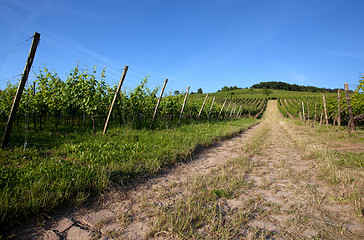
(311, 108)
(80, 103)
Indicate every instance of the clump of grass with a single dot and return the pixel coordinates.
(124, 218)
(349, 159)
(222, 193)
(256, 143)
(38, 180)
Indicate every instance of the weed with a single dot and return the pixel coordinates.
(222, 193)
(124, 218)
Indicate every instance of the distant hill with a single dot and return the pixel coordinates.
(291, 87)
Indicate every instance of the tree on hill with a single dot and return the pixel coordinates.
(251, 90)
(225, 89)
(266, 92)
(199, 90)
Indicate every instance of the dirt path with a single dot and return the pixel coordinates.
(302, 204)
(287, 196)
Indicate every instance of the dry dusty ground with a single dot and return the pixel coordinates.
(283, 196)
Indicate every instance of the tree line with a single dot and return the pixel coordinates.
(291, 87)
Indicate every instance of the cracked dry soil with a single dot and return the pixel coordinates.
(293, 202)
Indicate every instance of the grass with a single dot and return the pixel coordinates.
(257, 144)
(35, 181)
(349, 159)
(200, 214)
(339, 158)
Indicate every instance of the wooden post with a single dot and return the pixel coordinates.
(308, 113)
(338, 109)
(159, 100)
(299, 111)
(34, 114)
(223, 105)
(321, 119)
(227, 109)
(183, 106)
(351, 125)
(232, 109)
(238, 113)
(115, 97)
(212, 104)
(199, 114)
(333, 124)
(326, 118)
(314, 118)
(303, 112)
(19, 92)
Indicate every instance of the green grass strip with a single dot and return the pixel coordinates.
(36, 181)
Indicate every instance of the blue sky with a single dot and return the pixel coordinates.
(202, 44)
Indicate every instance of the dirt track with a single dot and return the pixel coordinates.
(295, 203)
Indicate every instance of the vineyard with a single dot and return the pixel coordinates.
(82, 101)
(326, 109)
(58, 155)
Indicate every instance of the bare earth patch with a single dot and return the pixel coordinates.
(283, 196)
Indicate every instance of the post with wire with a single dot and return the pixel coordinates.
(158, 102)
(183, 106)
(114, 100)
(19, 92)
